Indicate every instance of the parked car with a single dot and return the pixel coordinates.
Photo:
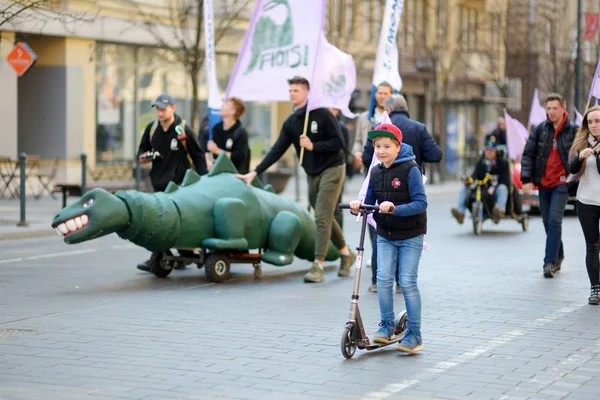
(533, 199)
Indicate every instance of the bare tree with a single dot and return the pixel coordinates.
(346, 24)
(556, 53)
(181, 32)
(17, 11)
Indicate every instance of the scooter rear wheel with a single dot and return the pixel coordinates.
(348, 343)
(400, 322)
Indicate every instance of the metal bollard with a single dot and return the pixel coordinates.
(22, 192)
(83, 173)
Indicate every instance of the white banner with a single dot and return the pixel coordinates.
(334, 79)
(537, 114)
(386, 60)
(214, 99)
(281, 42)
(578, 117)
(516, 136)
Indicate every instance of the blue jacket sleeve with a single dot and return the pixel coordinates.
(430, 151)
(418, 199)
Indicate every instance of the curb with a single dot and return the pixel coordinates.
(27, 234)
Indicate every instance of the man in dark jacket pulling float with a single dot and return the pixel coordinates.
(325, 169)
(172, 147)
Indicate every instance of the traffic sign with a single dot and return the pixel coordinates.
(21, 58)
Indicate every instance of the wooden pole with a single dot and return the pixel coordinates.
(304, 134)
(587, 106)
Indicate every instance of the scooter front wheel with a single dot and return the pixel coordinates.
(348, 343)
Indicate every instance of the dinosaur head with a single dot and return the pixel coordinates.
(96, 214)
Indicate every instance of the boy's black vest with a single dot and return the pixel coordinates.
(391, 184)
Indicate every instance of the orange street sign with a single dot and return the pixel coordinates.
(21, 58)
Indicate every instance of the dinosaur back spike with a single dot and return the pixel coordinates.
(190, 177)
(171, 187)
(223, 164)
(269, 188)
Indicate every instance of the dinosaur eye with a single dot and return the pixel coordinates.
(88, 203)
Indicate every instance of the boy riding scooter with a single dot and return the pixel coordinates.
(497, 167)
(397, 186)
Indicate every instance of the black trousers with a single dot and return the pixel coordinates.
(589, 218)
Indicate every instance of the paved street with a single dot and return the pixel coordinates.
(82, 322)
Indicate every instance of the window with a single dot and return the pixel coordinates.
(420, 26)
(548, 37)
(495, 34)
(468, 28)
(376, 17)
(367, 23)
(348, 22)
(408, 23)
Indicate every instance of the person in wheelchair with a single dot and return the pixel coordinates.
(496, 188)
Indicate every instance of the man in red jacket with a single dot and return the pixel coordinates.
(544, 163)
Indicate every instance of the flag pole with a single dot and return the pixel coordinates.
(587, 106)
(304, 134)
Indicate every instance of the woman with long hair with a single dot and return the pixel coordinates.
(584, 164)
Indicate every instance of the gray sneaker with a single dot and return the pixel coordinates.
(314, 275)
(346, 264)
(373, 288)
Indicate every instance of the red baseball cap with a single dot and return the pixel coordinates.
(389, 130)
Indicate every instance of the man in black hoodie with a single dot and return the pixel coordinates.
(172, 147)
(324, 164)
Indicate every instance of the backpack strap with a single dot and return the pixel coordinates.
(153, 129)
(183, 142)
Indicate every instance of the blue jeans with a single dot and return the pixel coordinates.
(500, 195)
(373, 236)
(552, 207)
(399, 257)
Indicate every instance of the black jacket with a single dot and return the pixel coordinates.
(173, 161)
(498, 136)
(413, 133)
(233, 140)
(324, 132)
(392, 184)
(538, 146)
(498, 168)
(575, 163)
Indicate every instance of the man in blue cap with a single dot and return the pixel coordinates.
(171, 146)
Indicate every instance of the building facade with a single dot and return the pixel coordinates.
(541, 52)
(99, 69)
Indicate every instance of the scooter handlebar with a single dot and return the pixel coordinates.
(363, 207)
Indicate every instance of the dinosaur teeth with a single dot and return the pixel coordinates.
(63, 229)
(71, 225)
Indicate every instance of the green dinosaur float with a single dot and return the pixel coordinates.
(217, 214)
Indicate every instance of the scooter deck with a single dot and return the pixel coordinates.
(373, 346)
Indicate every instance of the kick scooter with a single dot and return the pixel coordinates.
(354, 334)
